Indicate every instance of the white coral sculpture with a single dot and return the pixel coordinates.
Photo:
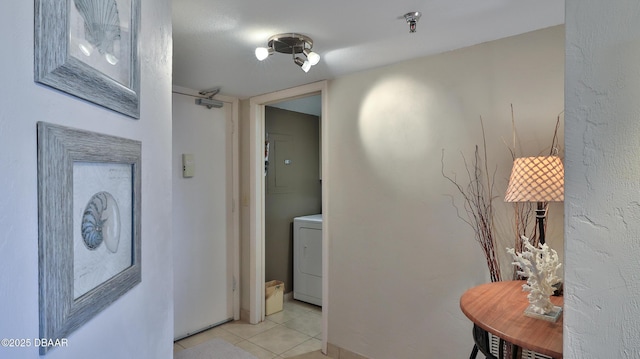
(539, 265)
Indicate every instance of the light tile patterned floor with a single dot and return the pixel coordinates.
(296, 330)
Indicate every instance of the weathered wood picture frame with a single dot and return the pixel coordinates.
(89, 49)
(89, 208)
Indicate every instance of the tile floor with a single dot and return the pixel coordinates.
(296, 330)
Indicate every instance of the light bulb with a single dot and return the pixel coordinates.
(262, 53)
(304, 65)
(313, 57)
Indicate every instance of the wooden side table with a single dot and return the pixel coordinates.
(498, 308)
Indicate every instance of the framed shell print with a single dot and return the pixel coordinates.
(88, 225)
(89, 49)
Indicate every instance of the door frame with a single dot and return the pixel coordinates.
(233, 207)
(257, 197)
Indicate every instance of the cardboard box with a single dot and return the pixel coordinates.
(273, 296)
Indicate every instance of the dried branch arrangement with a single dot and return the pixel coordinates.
(478, 194)
(478, 203)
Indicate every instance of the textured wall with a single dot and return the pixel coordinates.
(399, 257)
(602, 200)
(139, 324)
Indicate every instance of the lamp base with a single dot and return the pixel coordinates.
(552, 316)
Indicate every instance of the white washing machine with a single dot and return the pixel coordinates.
(307, 259)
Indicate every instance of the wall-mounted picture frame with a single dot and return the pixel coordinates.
(89, 49)
(89, 246)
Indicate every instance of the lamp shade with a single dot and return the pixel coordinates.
(536, 179)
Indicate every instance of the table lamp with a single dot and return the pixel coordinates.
(537, 179)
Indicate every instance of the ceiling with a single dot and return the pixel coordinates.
(214, 40)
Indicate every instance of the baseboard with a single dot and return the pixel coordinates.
(336, 352)
(244, 315)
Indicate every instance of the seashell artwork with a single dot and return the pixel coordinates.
(101, 26)
(101, 222)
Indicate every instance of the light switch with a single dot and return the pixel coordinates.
(188, 165)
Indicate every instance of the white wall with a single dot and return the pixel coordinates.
(399, 257)
(139, 324)
(602, 200)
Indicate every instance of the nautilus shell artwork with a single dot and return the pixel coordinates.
(101, 222)
(101, 26)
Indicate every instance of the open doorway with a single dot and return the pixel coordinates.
(293, 193)
(257, 195)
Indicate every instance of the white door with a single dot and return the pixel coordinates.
(202, 244)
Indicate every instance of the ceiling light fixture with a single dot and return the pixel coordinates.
(290, 43)
(412, 18)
